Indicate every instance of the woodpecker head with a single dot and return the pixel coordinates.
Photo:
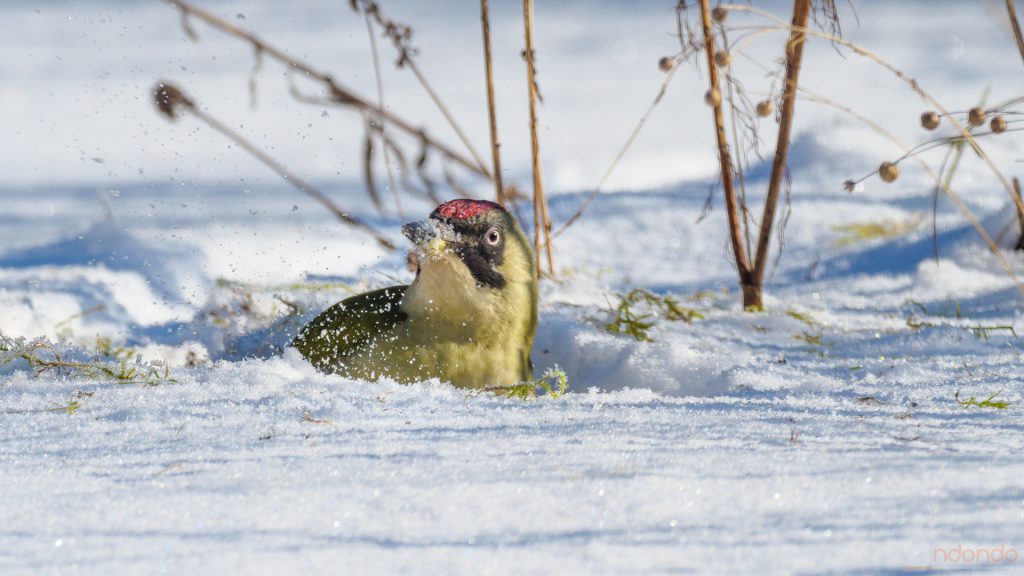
(475, 242)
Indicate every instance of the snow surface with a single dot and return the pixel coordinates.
(822, 436)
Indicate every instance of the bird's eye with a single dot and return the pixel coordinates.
(493, 236)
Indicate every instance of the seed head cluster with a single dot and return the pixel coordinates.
(976, 116)
(169, 99)
(889, 171)
(713, 97)
(998, 125)
(930, 120)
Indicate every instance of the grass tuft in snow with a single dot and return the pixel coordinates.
(637, 325)
(250, 287)
(106, 348)
(862, 231)
(72, 407)
(980, 331)
(801, 316)
(985, 332)
(628, 321)
(114, 363)
(989, 402)
(554, 381)
(69, 409)
(816, 340)
(63, 327)
(948, 310)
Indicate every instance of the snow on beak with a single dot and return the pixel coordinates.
(430, 234)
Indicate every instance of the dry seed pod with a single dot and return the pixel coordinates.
(765, 108)
(719, 14)
(889, 171)
(998, 125)
(667, 63)
(713, 97)
(723, 58)
(168, 98)
(930, 120)
(976, 116)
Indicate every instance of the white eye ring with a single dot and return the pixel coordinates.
(493, 237)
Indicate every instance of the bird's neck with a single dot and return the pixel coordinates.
(454, 306)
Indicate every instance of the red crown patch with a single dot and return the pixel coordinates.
(462, 209)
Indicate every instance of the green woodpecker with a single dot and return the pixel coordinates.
(468, 317)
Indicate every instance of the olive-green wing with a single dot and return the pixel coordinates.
(348, 326)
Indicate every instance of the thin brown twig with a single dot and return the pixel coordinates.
(960, 204)
(912, 83)
(925, 95)
(369, 149)
(1011, 10)
(724, 157)
(541, 218)
(731, 97)
(400, 35)
(338, 93)
(618, 156)
(794, 57)
(430, 188)
(380, 118)
(1020, 216)
(953, 153)
(448, 116)
(171, 99)
(485, 20)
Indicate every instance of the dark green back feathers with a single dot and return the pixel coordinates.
(349, 327)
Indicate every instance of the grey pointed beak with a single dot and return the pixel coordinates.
(424, 231)
(418, 232)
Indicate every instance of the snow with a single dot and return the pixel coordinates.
(820, 436)
(266, 466)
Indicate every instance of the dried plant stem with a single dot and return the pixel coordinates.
(1020, 216)
(794, 58)
(730, 97)
(380, 118)
(188, 105)
(912, 83)
(1011, 10)
(485, 20)
(948, 168)
(943, 185)
(399, 35)
(448, 116)
(541, 218)
(618, 156)
(338, 93)
(973, 220)
(724, 158)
